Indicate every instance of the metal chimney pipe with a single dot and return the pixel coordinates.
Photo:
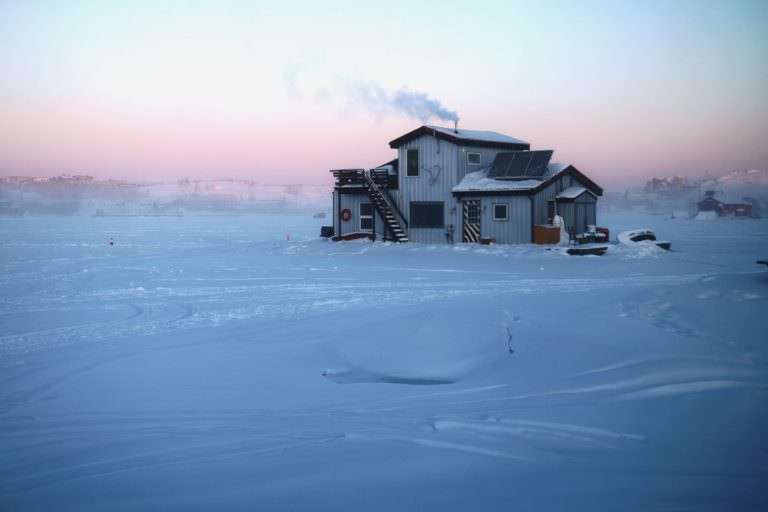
(455, 127)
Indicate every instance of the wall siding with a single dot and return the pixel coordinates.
(336, 220)
(447, 163)
(542, 197)
(516, 230)
(438, 173)
(352, 202)
(486, 159)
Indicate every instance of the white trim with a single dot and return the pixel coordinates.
(479, 158)
(506, 212)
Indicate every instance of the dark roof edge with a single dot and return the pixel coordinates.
(393, 163)
(590, 185)
(426, 130)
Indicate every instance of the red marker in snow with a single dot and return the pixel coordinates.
(288, 237)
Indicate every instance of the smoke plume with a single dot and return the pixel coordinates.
(418, 105)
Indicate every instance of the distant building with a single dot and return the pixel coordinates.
(449, 185)
(670, 186)
(735, 208)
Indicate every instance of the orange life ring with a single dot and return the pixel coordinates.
(346, 214)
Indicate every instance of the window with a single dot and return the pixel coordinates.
(412, 163)
(366, 217)
(500, 211)
(474, 158)
(427, 215)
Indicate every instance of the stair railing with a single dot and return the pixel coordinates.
(388, 198)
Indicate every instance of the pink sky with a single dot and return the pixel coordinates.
(154, 91)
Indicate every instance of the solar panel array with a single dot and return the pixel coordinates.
(520, 164)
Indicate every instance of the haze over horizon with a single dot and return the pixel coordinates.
(282, 93)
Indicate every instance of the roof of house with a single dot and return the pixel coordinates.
(392, 163)
(572, 193)
(479, 138)
(478, 182)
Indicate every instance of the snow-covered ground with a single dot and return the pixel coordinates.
(207, 363)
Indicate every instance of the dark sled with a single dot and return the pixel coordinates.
(353, 236)
(594, 250)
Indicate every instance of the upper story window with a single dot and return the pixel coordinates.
(412, 163)
(474, 158)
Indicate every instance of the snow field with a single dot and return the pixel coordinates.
(207, 362)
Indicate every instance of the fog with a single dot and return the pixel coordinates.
(86, 195)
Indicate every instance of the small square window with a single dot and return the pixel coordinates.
(474, 158)
(500, 211)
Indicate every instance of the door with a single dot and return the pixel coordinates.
(470, 232)
(366, 216)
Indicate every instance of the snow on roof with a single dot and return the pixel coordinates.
(554, 168)
(479, 181)
(483, 135)
(571, 193)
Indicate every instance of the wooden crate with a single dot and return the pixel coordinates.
(546, 235)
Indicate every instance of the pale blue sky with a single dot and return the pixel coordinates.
(622, 90)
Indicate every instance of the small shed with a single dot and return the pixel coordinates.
(578, 208)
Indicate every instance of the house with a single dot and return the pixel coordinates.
(454, 185)
(734, 208)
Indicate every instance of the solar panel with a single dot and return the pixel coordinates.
(519, 164)
(501, 164)
(539, 163)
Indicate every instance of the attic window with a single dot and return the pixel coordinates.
(474, 158)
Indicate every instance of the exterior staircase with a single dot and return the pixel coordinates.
(386, 208)
(375, 186)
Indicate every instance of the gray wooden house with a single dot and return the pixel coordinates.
(450, 185)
